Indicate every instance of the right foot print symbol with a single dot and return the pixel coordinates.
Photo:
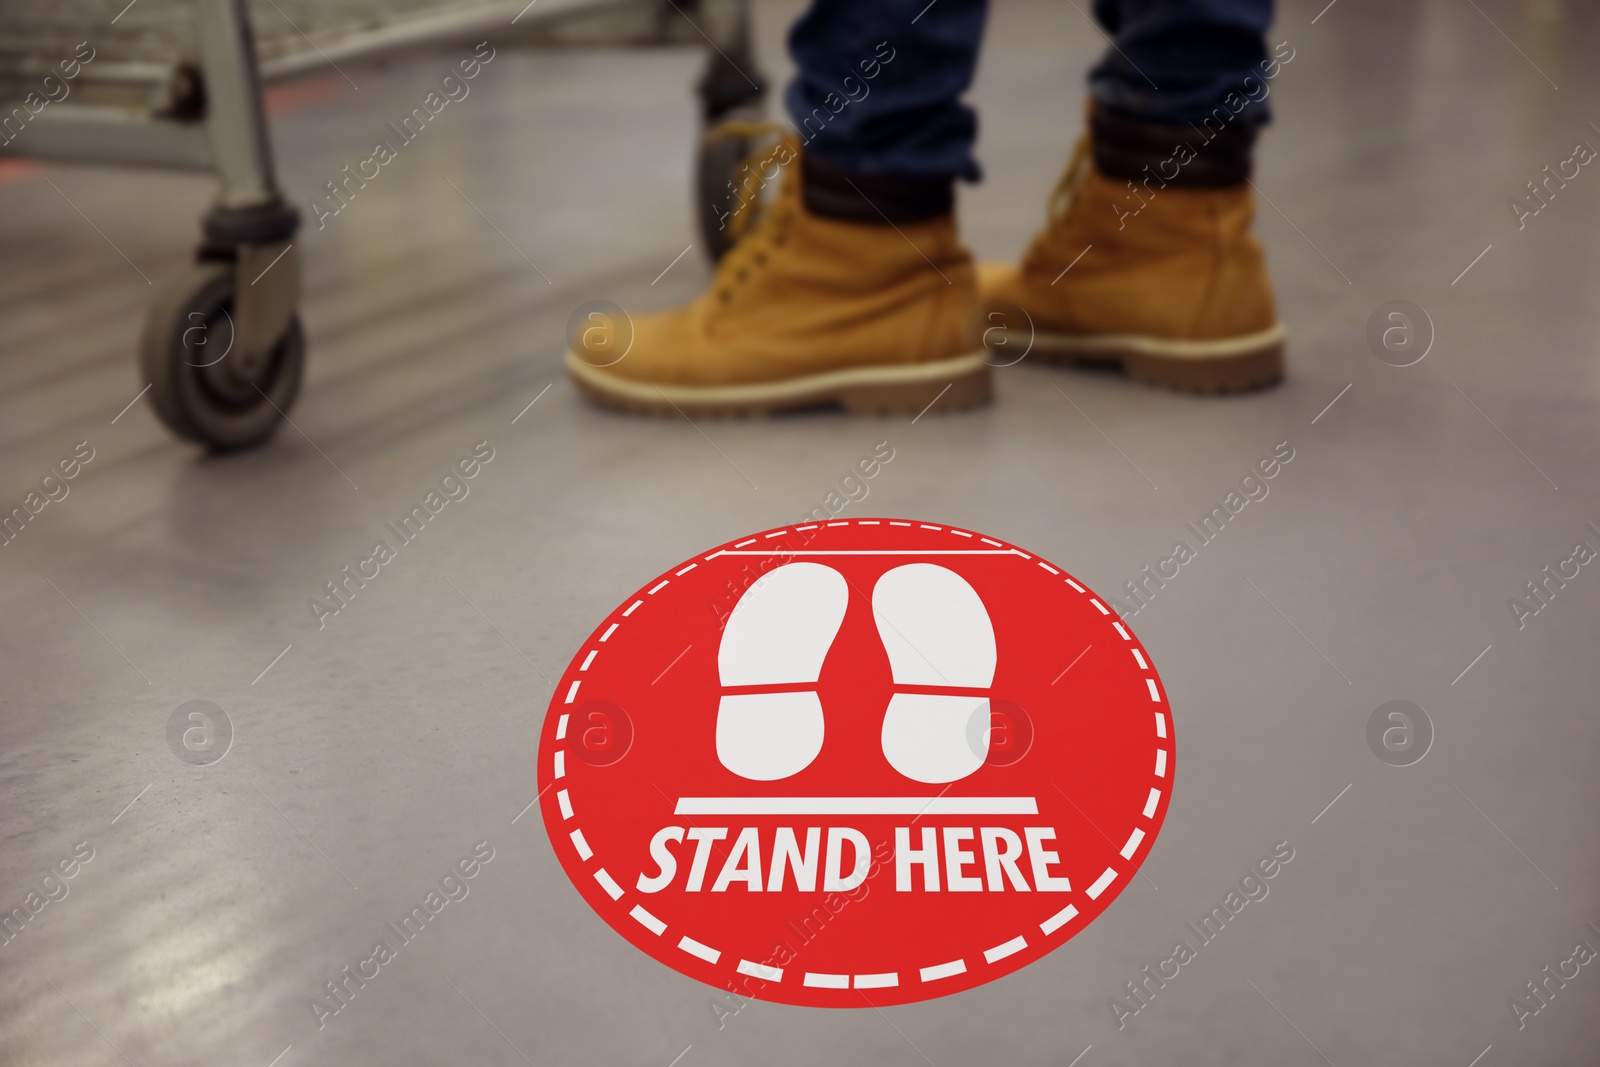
(937, 633)
(778, 634)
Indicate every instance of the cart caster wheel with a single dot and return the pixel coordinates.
(199, 384)
(719, 168)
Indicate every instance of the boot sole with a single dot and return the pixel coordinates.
(898, 389)
(1229, 365)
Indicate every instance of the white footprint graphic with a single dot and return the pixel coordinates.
(937, 632)
(779, 633)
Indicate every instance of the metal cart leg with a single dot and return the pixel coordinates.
(222, 347)
(732, 89)
(732, 85)
(250, 223)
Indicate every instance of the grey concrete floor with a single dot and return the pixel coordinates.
(373, 753)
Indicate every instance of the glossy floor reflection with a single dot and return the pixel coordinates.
(368, 756)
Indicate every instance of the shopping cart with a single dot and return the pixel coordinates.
(178, 84)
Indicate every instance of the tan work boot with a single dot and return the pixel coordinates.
(1166, 281)
(805, 311)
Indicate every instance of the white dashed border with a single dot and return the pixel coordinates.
(1137, 839)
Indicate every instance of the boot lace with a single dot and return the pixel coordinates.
(1077, 170)
(759, 220)
(1042, 253)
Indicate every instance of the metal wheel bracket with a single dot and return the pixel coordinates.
(266, 293)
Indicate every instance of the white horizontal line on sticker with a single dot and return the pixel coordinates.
(610, 630)
(1101, 608)
(760, 970)
(686, 570)
(695, 948)
(857, 806)
(1076, 586)
(1059, 919)
(749, 541)
(787, 552)
(1000, 952)
(827, 981)
(652, 590)
(632, 608)
(1047, 567)
(648, 921)
(876, 981)
(777, 533)
(943, 970)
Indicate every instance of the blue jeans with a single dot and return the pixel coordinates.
(880, 81)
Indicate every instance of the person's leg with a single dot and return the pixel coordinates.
(853, 286)
(1176, 61)
(878, 93)
(1148, 260)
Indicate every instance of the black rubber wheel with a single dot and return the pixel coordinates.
(716, 173)
(197, 381)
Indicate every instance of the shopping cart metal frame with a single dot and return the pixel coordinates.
(207, 114)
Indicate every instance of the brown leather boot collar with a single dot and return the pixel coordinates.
(833, 192)
(1183, 156)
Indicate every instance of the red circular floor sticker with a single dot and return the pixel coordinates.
(856, 762)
